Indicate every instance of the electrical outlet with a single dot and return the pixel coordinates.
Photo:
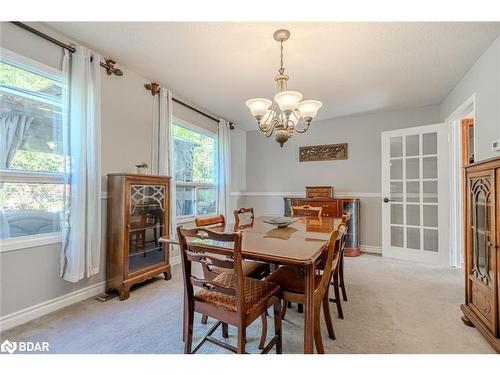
(495, 145)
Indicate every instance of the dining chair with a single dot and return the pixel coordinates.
(256, 270)
(230, 298)
(292, 283)
(346, 218)
(243, 218)
(306, 211)
(338, 276)
(335, 275)
(212, 222)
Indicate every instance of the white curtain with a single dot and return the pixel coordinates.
(12, 130)
(81, 252)
(224, 168)
(163, 155)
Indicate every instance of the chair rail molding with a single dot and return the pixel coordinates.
(338, 194)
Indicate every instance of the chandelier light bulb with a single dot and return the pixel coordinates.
(258, 106)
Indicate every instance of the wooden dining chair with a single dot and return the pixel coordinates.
(306, 211)
(338, 276)
(256, 270)
(346, 218)
(292, 282)
(243, 218)
(230, 298)
(212, 222)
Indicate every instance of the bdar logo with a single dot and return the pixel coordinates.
(8, 347)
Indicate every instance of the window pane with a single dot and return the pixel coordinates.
(27, 209)
(206, 201)
(184, 197)
(195, 156)
(30, 121)
(396, 147)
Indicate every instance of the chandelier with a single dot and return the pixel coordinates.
(288, 112)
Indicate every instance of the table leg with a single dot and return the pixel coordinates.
(309, 310)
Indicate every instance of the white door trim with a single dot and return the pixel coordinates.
(442, 256)
(455, 205)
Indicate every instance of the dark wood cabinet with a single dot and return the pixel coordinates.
(333, 207)
(138, 216)
(482, 259)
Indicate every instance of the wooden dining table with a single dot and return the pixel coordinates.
(300, 244)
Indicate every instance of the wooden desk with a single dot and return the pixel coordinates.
(300, 244)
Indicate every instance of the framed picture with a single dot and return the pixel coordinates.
(323, 152)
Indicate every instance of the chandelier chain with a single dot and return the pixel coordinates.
(281, 61)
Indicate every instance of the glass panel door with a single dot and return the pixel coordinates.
(146, 226)
(412, 176)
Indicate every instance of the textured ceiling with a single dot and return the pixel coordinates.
(351, 67)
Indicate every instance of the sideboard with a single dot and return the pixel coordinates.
(333, 207)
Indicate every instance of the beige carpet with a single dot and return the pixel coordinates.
(393, 307)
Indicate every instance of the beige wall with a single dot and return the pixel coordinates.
(272, 170)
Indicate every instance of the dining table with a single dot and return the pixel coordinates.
(299, 244)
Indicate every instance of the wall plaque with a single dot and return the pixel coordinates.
(323, 152)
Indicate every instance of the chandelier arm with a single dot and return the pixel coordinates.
(304, 126)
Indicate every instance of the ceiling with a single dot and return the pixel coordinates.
(351, 67)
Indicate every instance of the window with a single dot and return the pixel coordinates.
(32, 161)
(195, 161)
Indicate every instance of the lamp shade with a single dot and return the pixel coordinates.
(288, 100)
(258, 106)
(309, 108)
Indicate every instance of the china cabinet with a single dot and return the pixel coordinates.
(482, 259)
(138, 215)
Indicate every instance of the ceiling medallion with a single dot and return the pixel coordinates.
(288, 112)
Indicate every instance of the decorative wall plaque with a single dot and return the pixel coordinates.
(323, 152)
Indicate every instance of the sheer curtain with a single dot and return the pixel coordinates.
(224, 168)
(163, 151)
(81, 251)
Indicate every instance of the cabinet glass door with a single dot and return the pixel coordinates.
(146, 226)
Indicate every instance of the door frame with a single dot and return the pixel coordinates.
(456, 198)
(441, 258)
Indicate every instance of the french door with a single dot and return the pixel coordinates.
(415, 194)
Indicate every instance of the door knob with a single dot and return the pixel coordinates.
(386, 200)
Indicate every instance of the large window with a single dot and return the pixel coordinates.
(195, 160)
(32, 161)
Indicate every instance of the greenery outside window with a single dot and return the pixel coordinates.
(195, 165)
(32, 155)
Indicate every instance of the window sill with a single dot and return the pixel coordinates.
(25, 242)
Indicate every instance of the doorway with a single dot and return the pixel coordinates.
(462, 124)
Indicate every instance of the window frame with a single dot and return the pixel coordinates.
(26, 176)
(196, 185)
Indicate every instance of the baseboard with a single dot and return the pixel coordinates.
(25, 315)
(175, 260)
(371, 249)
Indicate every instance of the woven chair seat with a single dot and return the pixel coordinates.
(256, 293)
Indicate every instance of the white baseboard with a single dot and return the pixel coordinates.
(25, 315)
(175, 260)
(370, 249)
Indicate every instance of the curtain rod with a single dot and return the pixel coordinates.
(109, 65)
(155, 89)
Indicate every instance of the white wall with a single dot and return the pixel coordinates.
(31, 276)
(273, 170)
(483, 79)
